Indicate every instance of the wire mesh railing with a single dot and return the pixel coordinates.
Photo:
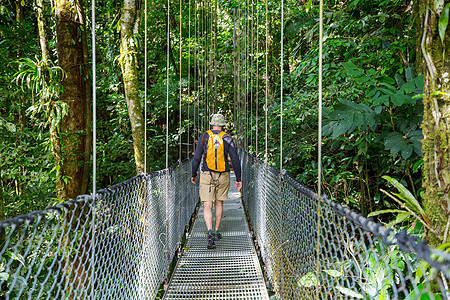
(116, 246)
(317, 249)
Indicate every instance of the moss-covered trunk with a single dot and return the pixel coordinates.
(436, 123)
(74, 139)
(128, 62)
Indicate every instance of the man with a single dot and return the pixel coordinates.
(214, 146)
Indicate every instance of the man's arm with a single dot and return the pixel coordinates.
(197, 158)
(236, 163)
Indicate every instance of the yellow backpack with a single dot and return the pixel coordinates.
(215, 152)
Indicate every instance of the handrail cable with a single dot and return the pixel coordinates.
(94, 146)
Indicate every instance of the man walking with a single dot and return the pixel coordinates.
(214, 146)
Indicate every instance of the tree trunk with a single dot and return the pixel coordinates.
(73, 129)
(19, 11)
(41, 27)
(436, 122)
(129, 65)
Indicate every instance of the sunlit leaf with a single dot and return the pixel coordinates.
(308, 280)
(443, 22)
(334, 273)
(349, 292)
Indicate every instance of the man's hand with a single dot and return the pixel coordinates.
(194, 179)
(239, 185)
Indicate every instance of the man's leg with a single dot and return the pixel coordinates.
(207, 214)
(219, 211)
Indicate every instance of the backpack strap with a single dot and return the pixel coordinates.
(212, 180)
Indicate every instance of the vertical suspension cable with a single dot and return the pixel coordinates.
(281, 87)
(215, 58)
(252, 58)
(204, 35)
(249, 70)
(189, 80)
(319, 154)
(234, 71)
(207, 61)
(94, 149)
(246, 72)
(145, 86)
(257, 79)
(167, 84)
(266, 79)
(180, 149)
(195, 87)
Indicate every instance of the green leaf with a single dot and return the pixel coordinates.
(409, 73)
(394, 142)
(385, 211)
(308, 280)
(18, 257)
(419, 82)
(334, 273)
(21, 283)
(409, 87)
(405, 195)
(349, 292)
(362, 79)
(398, 99)
(418, 164)
(407, 150)
(355, 72)
(443, 246)
(308, 5)
(399, 80)
(443, 22)
(384, 100)
(4, 276)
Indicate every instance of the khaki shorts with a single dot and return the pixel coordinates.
(215, 188)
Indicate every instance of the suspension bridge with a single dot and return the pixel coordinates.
(145, 238)
(121, 244)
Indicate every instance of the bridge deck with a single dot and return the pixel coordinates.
(230, 271)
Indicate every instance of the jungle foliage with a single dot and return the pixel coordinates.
(372, 94)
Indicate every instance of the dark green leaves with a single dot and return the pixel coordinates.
(406, 144)
(443, 22)
(348, 116)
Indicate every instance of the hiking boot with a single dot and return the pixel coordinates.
(211, 238)
(217, 235)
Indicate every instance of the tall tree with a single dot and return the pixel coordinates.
(434, 41)
(129, 26)
(43, 40)
(74, 129)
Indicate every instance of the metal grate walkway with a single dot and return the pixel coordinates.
(230, 271)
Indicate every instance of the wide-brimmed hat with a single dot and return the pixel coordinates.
(218, 120)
